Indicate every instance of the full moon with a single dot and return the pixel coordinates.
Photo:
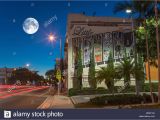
(30, 25)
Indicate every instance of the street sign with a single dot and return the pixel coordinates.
(58, 74)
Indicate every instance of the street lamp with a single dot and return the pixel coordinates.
(51, 38)
(27, 67)
(128, 11)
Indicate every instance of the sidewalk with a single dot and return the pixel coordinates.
(56, 101)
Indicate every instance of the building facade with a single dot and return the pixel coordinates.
(104, 34)
(5, 73)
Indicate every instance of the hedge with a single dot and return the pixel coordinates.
(87, 91)
(122, 99)
(102, 90)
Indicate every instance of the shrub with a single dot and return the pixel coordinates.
(87, 91)
(122, 99)
(147, 98)
(98, 100)
(129, 89)
(147, 87)
(121, 89)
(72, 91)
(101, 88)
(88, 88)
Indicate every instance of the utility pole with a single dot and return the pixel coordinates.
(59, 83)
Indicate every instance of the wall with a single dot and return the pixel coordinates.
(82, 28)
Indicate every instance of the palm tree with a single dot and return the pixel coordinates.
(144, 9)
(107, 74)
(148, 61)
(147, 35)
(157, 39)
(140, 75)
(125, 68)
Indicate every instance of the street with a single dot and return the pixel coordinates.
(22, 97)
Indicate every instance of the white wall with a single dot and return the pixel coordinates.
(93, 30)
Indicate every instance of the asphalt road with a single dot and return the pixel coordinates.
(29, 100)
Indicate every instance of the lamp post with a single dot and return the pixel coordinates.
(28, 67)
(51, 38)
(129, 11)
(60, 64)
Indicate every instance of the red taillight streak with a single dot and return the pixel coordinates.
(9, 86)
(15, 90)
(13, 94)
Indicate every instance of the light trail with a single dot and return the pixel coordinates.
(24, 91)
(10, 91)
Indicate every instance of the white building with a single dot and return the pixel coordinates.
(107, 33)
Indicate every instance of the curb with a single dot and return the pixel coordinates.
(44, 105)
(73, 101)
(51, 102)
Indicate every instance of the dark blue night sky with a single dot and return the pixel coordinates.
(18, 48)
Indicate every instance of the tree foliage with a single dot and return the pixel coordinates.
(24, 75)
(79, 70)
(140, 74)
(91, 73)
(125, 68)
(140, 11)
(50, 74)
(147, 29)
(107, 74)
